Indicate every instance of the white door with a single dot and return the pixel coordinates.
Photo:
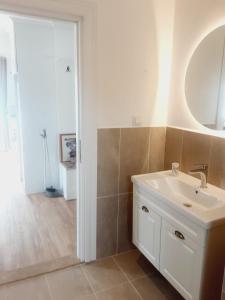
(147, 225)
(180, 261)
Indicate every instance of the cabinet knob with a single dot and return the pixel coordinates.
(179, 235)
(145, 209)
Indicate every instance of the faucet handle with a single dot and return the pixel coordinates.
(202, 166)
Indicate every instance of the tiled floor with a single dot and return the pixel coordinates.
(127, 276)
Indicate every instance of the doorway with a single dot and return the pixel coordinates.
(38, 157)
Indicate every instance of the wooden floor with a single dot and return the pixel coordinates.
(37, 234)
(34, 229)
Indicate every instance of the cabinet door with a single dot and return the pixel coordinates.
(146, 227)
(180, 261)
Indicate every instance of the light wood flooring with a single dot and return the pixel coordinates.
(35, 230)
(37, 234)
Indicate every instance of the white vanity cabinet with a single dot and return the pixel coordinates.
(178, 248)
(180, 261)
(148, 241)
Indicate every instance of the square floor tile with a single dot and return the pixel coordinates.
(156, 288)
(134, 264)
(68, 284)
(120, 292)
(34, 288)
(2, 293)
(104, 274)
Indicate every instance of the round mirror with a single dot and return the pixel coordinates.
(205, 81)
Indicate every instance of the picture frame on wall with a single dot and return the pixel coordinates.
(68, 147)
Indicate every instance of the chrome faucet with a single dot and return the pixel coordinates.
(202, 170)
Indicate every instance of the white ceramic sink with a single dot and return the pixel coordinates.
(184, 192)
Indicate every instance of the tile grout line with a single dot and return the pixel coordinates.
(164, 153)
(149, 148)
(122, 253)
(182, 148)
(104, 289)
(48, 287)
(114, 195)
(118, 199)
(89, 282)
(114, 255)
(128, 279)
(210, 155)
(110, 288)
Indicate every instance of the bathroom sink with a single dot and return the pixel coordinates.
(182, 193)
(185, 193)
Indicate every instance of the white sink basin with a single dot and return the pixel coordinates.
(182, 193)
(185, 193)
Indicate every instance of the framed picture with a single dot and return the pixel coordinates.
(68, 147)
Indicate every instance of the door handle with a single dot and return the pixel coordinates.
(145, 209)
(179, 235)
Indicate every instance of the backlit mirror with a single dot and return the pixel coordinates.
(205, 81)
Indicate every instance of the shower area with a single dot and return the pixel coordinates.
(37, 146)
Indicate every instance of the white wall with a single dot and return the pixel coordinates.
(134, 41)
(7, 50)
(130, 37)
(45, 89)
(134, 55)
(64, 46)
(193, 21)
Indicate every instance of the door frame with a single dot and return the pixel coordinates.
(84, 14)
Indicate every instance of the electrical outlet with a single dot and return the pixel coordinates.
(136, 121)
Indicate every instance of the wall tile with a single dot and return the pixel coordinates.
(108, 161)
(125, 223)
(196, 150)
(133, 155)
(217, 163)
(157, 149)
(107, 213)
(173, 149)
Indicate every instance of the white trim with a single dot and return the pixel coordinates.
(84, 13)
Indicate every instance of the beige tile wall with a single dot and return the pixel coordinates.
(123, 152)
(190, 148)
